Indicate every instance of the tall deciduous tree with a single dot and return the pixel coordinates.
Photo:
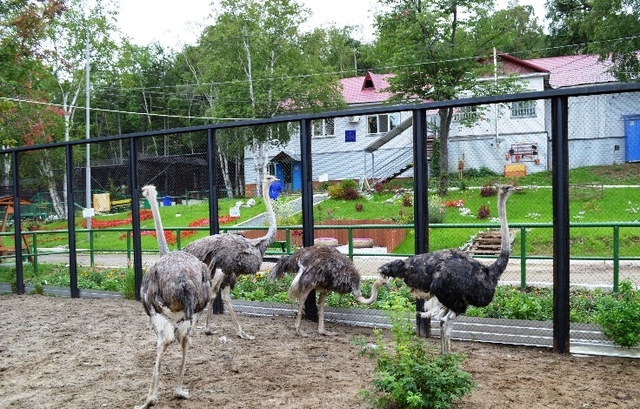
(605, 27)
(79, 28)
(437, 49)
(23, 78)
(255, 55)
(566, 32)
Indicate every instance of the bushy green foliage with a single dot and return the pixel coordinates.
(348, 184)
(619, 315)
(411, 372)
(437, 209)
(335, 191)
(511, 302)
(129, 285)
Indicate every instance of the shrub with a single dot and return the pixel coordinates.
(335, 191)
(437, 209)
(619, 316)
(484, 212)
(488, 191)
(412, 373)
(407, 200)
(359, 207)
(348, 184)
(350, 194)
(129, 285)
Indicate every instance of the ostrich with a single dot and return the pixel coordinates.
(176, 282)
(451, 280)
(230, 254)
(325, 269)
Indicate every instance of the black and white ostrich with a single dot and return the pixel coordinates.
(451, 280)
(230, 255)
(176, 282)
(321, 268)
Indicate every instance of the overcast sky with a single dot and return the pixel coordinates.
(174, 23)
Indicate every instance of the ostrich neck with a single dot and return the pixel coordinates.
(504, 226)
(372, 298)
(267, 239)
(500, 264)
(162, 240)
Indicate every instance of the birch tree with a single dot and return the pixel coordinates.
(82, 28)
(255, 53)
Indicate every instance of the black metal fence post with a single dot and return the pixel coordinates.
(310, 307)
(17, 224)
(135, 215)
(421, 206)
(214, 225)
(561, 254)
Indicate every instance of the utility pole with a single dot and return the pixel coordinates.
(89, 205)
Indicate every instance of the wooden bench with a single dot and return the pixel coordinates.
(120, 205)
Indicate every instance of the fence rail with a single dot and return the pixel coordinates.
(288, 246)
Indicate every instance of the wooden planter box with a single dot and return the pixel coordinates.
(389, 238)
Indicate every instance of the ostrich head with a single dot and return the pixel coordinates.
(395, 268)
(149, 191)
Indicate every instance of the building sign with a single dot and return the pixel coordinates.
(350, 135)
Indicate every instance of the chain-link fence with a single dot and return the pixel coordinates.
(349, 180)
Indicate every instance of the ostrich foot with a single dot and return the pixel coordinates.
(301, 333)
(244, 335)
(327, 333)
(152, 400)
(209, 331)
(181, 392)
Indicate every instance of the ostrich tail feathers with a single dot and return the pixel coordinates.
(278, 270)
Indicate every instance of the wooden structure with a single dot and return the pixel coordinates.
(6, 205)
(487, 243)
(523, 152)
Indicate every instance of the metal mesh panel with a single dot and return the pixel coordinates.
(354, 160)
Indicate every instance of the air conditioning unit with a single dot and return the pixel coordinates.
(354, 119)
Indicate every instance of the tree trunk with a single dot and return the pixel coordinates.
(446, 114)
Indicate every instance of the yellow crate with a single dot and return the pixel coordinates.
(515, 170)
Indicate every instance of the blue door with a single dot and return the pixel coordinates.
(296, 170)
(279, 172)
(632, 137)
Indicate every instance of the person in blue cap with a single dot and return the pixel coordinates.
(274, 190)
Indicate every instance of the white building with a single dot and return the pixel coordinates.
(601, 128)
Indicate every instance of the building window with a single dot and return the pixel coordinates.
(382, 123)
(523, 109)
(469, 113)
(323, 127)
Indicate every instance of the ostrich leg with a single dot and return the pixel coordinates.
(226, 299)
(216, 282)
(301, 299)
(165, 337)
(183, 336)
(321, 301)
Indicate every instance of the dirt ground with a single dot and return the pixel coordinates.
(94, 353)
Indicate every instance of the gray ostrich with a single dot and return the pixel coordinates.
(230, 255)
(451, 280)
(321, 268)
(176, 282)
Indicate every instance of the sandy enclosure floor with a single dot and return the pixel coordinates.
(96, 353)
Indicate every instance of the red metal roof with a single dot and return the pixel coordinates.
(368, 88)
(575, 70)
(565, 71)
